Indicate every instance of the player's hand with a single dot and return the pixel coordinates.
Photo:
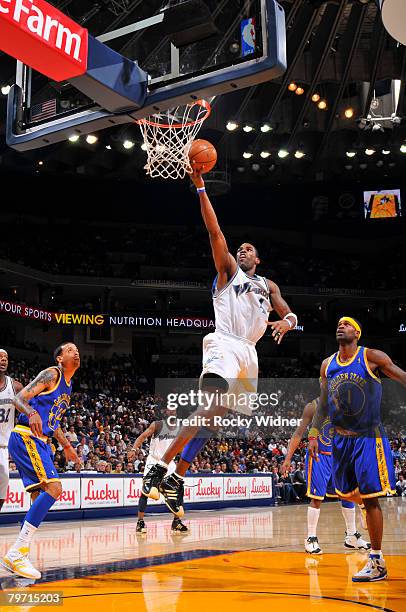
(314, 449)
(35, 424)
(131, 455)
(71, 454)
(284, 468)
(197, 179)
(280, 328)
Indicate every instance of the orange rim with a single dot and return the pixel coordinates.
(177, 126)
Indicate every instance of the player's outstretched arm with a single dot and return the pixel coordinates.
(381, 361)
(141, 439)
(43, 382)
(306, 419)
(225, 263)
(288, 318)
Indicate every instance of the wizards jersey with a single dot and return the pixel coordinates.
(50, 405)
(242, 306)
(354, 393)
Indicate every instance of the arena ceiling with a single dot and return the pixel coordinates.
(337, 49)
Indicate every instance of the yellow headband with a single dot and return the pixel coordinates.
(352, 322)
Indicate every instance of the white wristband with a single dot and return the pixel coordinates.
(201, 189)
(290, 314)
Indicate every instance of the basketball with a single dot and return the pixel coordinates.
(202, 156)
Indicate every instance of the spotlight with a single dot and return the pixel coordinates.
(403, 148)
(348, 167)
(91, 139)
(349, 113)
(5, 90)
(283, 153)
(369, 151)
(316, 97)
(40, 163)
(240, 169)
(256, 167)
(128, 144)
(108, 147)
(232, 126)
(379, 163)
(322, 105)
(266, 128)
(265, 154)
(248, 128)
(391, 164)
(385, 152)
(247, 155)
(144, 146)
(299, 91)
(351, 153)
(363, 166)
(292, 86)
(234, 47)
(300, 154)
(74, 138)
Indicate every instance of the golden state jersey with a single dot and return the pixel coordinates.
(242, 306)
(51, 405)
(354, 393)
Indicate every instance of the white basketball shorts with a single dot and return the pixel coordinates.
(235, 360)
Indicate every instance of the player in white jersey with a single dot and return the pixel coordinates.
(242, 302)
(8, 390)
(161, 435)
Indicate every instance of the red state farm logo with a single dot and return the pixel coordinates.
(14, 498)
(102, 494)
(42, 37)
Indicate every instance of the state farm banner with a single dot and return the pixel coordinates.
(260, 486)
(17, 499)
(38, 34)
(70, 497)
(102, 492)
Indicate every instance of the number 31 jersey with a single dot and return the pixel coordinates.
(7, 411)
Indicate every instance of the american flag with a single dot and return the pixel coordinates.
(44, 110)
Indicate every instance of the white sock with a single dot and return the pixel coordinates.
(312, 520)
(349, 518)
(165, 465)
(376, 552)
(25, 536)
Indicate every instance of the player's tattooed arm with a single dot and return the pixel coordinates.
(306, 419)
(378, 360)
(43, 382)
(141, 439)
(321, 412)
(280, 328)
(225, 263)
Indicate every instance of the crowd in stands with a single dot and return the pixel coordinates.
(111, 406)
(130, 252)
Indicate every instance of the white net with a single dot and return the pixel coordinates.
(168, 137)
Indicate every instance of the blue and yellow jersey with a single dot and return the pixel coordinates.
(354, 393)
(51, 405)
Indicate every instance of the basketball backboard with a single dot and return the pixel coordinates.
(249, 47)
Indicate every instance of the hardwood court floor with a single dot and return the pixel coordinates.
(231, 560)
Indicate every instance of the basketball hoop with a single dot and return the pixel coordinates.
(168, 137)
